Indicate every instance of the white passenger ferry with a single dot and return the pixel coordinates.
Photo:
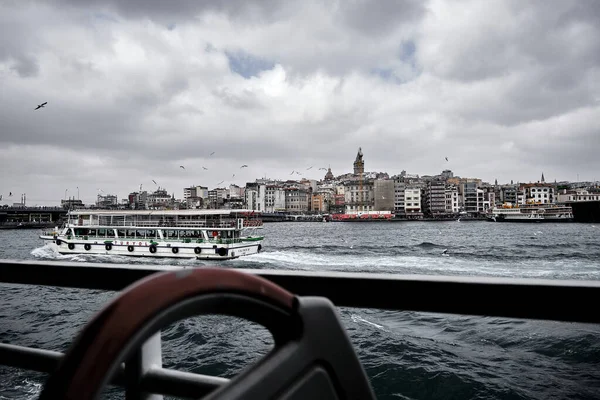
(531, 213)
(200, 234)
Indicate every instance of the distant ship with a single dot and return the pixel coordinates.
(363, 216)
(531, 213)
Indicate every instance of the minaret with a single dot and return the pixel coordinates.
(359, 164)
(543, 180)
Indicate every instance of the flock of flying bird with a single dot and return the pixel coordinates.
(246, 166)
(182, 167)
(203, 167)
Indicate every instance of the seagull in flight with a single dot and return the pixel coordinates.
(292, 173)
(324, 169)
(212, 153)
(182, 167)
(220, 182)
(309, 168)
(204, 168)
(154, 182)
(446, 158)
(244, 166)
(233, 176)
(41, 105)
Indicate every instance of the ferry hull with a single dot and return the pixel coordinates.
(204, 251)
(529, 220)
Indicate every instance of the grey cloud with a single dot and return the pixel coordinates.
(26, 66)
(537, 94)
(545, 60)
(245, 99)
(16, 45)
(537, 33)
(380, 18)
(170, 13)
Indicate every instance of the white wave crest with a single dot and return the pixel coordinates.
(360, 320)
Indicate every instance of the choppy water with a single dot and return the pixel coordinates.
(407, 355)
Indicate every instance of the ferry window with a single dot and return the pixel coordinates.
(140, 234)
(121, 233)
(151, 234)
(91, 232)
(101, 232)
(130, 233)
(78, 232)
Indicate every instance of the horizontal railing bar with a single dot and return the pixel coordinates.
(157, 380)
(29, 358)
(179, 383)
(502, 297)
(39, 360)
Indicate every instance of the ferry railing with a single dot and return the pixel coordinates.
(181, 239)
(157, 224)
(558, 300)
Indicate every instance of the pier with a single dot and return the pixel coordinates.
(30, 217)
(585, 211)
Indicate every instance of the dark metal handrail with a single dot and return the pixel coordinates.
(560, 300)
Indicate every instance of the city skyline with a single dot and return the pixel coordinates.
(178, 192)
(133, 91)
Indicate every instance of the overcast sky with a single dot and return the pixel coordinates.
(504, 89)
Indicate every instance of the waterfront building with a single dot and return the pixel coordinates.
(383, 190)
(451, 199)
(412, 202)
(297, 200)
(540, 193)
(576, 195)
(435, 198)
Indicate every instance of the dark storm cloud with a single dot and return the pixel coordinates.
(380, 18)
(171, 12)
(25, 66)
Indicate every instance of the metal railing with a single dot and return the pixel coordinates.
(157, 224)
(502, 297)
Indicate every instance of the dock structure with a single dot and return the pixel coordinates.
(30, 217)
(585, 211)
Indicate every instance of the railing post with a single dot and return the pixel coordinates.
(147, 357)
